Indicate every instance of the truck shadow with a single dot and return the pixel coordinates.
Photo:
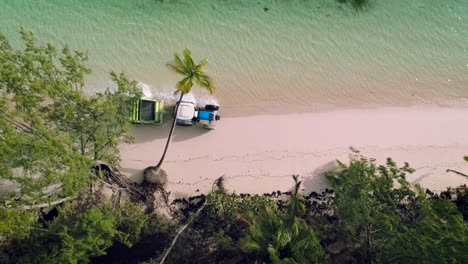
(185, 133)
(147, 133)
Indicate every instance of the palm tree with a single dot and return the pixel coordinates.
(192, 73)
(283, 238)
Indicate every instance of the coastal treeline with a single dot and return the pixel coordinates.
(371, 214)
(64, 201)
(363, 218)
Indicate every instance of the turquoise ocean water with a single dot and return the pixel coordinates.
(268, 54)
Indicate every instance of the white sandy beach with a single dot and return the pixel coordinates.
(259, 153)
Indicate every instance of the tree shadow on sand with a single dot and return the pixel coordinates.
(147, 133)
(315, 181)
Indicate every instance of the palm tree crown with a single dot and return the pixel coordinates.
(192, 73)
(283, 238)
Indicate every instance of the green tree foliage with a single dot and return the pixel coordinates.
(218, 227)
(89, 235)
(439, 236)
(283, 238)
(98, 123)
(50, 131)
(383, 218)
(132, 222)
(16, 222)
(365, 202)
(84, 236)
(227, 209)
(80, 232)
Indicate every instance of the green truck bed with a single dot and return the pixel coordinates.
(147, 111)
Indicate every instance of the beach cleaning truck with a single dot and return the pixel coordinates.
(189, 113)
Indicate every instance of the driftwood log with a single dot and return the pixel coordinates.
(457, 172)
(109, 176)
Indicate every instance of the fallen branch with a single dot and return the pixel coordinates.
(107, 184)
(6, 203)
(180, 232)
(116, 199)
(457, 172)
(43, 205)
(218, 183)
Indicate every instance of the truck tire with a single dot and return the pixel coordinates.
(210, 107)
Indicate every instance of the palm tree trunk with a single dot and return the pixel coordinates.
(170, 133)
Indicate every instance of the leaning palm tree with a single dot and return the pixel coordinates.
(192, 73)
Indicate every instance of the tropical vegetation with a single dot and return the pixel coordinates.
(387, 224)
(282, 238)
(59, 208)
(51, 133)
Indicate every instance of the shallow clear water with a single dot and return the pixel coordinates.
(311, 54)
